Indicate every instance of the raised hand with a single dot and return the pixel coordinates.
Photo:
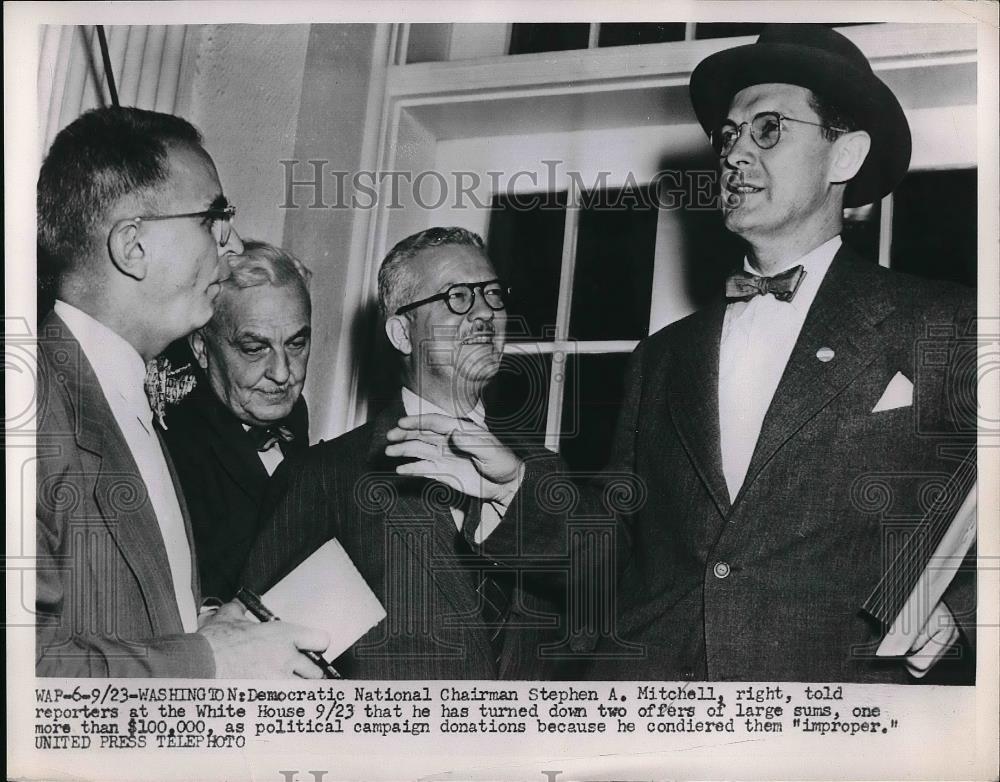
(458, 453)
(245, 649)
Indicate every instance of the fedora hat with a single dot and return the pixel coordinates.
(822, 60)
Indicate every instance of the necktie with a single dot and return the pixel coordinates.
(494, 586)
(165, 385)
(264, 437)
(742, 286)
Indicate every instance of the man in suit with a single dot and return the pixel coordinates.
(132, 215)
(229, 437)
(450, 614)
(782, 436)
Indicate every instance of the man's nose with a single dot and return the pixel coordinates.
(480, 309)
(744, 148)
(233, 245)
(278, 369)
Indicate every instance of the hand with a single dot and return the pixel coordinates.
(932, 641)
(245, 649)
(458, 453)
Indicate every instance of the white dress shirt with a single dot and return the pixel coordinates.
(492, 512)
(271, 457)
(757, 340)
(121, 373)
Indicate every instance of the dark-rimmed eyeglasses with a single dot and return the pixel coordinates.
(221, 220)
(765, 130)
(461, 297)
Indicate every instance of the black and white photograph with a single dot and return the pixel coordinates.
(423, 391)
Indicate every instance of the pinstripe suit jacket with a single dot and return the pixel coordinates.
(401, 536)
(769, 586)
(105, 599)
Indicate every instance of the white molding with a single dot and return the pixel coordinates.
(887, 46)
(570, 347)
(346, 415)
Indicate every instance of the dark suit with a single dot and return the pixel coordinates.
(401, 535)
(224, 481)
(105, 596)
(770, 586)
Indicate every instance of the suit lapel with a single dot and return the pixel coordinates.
(420, 499)
(693, 397)
(843, 317)
(232, 446)
(119, 491)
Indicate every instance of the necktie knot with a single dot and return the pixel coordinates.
(264, 437)
(744, 286)
(165, 385)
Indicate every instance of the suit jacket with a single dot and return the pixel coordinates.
(105, 597)
(770, 585)
(402, 537)
(224, 481)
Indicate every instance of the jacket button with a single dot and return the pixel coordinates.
(721, 569)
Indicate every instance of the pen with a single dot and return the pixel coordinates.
(254, 605)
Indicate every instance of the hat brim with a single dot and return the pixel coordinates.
(863, 95)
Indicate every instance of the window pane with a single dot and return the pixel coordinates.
(618, 34)
(614, 265)
(525, 245)
(861, 230)
(594, 387)
(934, 225)
(517, 399)
(530, 38)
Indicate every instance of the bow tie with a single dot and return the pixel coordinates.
(742, 285)
(264, 437)
(165, 385)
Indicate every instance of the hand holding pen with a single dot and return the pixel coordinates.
(255, 606)
(244, 649)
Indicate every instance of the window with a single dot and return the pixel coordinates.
(580, 267)
(531, 38)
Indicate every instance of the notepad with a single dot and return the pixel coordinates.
(326, 591)
(934, 580)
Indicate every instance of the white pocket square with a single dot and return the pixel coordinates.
(899, 393)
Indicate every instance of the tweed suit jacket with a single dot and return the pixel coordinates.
(400, 534)
(769, 586)
(105, 598)
(224, 481)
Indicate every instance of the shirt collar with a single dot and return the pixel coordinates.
(816, 260)
(414, 404)
(119, 368)
(816, 263)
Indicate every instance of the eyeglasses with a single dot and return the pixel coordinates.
(221, 217)
(461, 297)
(765, 130)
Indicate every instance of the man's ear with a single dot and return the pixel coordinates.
(196, 341)
(397, 329)
(126, 251)
(849, 154)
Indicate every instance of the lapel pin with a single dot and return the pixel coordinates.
(825, 354)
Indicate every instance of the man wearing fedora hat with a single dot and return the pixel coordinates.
(788, 436)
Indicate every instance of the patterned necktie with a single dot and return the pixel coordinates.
(493, 585)
(165, 385)
(264, 437)
(744, 286)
